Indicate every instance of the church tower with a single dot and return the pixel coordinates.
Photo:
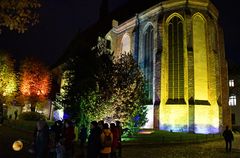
(179, 46)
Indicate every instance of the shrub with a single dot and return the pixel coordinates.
(31, 116)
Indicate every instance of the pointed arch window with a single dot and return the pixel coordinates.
(148, 60)
(175, 59)
(125, 44)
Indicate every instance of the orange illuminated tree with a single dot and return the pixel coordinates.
(35, 81)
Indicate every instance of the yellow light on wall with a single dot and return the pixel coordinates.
(174, 118)
(200, 58)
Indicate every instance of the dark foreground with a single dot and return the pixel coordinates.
(203, 150)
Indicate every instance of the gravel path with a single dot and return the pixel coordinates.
(214, 149)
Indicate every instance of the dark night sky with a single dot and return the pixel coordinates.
(60, 20)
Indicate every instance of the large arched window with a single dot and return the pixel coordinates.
(175, 59)
(125, 44)
(200, 57)
(148, 60)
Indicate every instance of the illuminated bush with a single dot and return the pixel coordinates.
(31, 116)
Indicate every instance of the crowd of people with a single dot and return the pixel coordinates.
(58, 140)
(104, 141)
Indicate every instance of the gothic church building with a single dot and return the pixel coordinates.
(179, 47)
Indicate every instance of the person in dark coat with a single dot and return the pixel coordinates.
(115, 134)
(83, 135)
(94, 144)
(228, 137)
(83, 138)
(120, 132)
(57, 128)
(41, 139)
(68, 138)
(15, 114)
(55, 135)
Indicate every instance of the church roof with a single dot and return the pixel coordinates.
(85, 40)
(132, 8)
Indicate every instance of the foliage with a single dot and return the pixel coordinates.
(35, 81)
(58, 103)
(66, 98)
(68, 88)
(119, 94)
(104, 69)
(18, 15)
(78, 78)
(40, 105)
(31, 116)
(96, 87)
(8, 78)
(92, 107)
(129, 96)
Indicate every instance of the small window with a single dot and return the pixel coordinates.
(232, 100)
(231, 83)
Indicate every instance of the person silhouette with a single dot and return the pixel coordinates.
(16, 114)
(228, 137)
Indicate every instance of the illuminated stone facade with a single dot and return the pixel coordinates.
(179, 47)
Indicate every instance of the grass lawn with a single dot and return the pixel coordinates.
(143, 136)
(23, 125)
(164, 137)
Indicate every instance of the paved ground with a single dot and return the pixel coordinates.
(203, 150)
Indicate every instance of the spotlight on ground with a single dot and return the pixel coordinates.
(17, 145)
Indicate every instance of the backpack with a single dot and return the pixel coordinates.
(107, 142)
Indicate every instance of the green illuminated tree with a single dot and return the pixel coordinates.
(120, 89)
(129, 98)
(18, 15)
(96, 87)
(77, 79)
(104, 73)
(35, 81)
(8, 78)
(8, 81)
